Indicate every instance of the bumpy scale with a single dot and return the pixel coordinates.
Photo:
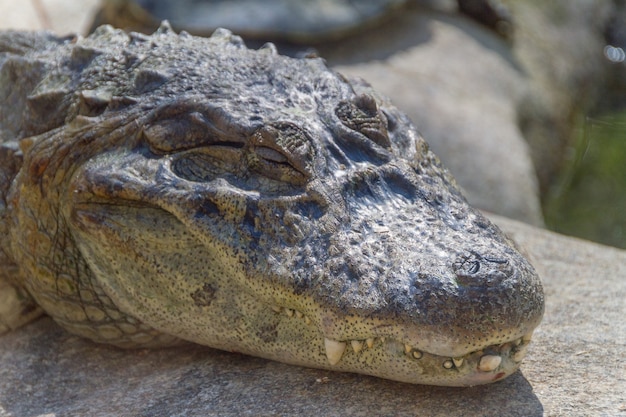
(167, 187)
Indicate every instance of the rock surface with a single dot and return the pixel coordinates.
(574, 367)
(560, 44)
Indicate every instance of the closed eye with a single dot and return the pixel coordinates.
(271, 155)
(209, 162)
(275, 165)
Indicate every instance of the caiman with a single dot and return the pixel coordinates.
(167, 188)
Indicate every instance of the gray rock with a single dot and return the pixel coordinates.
(270, 19)
(574, 367)
(560, 44)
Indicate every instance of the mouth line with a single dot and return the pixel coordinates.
(486, 359)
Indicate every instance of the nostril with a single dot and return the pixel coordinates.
(473, 269)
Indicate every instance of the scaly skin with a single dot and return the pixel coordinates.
(169, 188)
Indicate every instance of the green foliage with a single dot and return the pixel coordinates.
(590, 201)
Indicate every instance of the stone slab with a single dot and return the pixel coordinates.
(575, 366)
(19, 15)
(60, 16)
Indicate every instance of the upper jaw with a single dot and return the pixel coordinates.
(451, 302)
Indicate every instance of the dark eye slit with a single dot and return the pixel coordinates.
(230, 144)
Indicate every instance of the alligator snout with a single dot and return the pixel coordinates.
(451, 278)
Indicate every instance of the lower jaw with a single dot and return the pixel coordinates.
(390, 359)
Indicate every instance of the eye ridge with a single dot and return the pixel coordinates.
(183, 125)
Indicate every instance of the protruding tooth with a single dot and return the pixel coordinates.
(334, 350)
(520, 353)
(369, 342)
(407, 348)
(299, 314)
(307, 320)
(357, 345)
(289, 312)
(277, 309)
(458, 362)
(489, 363)
(518, 342)
(417, 354)
(382, 339)
(526, 338)
(448, 364)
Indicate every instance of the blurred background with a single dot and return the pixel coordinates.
(524, 101)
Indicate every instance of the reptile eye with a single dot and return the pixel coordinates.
(273, 164)
(206, 163)
(362, 114)
(281, 152)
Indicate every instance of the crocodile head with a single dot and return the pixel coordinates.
(266, 205)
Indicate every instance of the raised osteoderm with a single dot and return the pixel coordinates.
(168, 187)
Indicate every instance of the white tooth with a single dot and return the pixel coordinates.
(289, 312)
(299, 314)
(407, 348)
(448, 364)
(526, 338)
(489, 363)
(458, 362)
(382, 339)
(518, 342)
(277, 309)
(520, 353)
(369, 342)
(357, 345)
(334, 350)
(417, 354)
(307, 320)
